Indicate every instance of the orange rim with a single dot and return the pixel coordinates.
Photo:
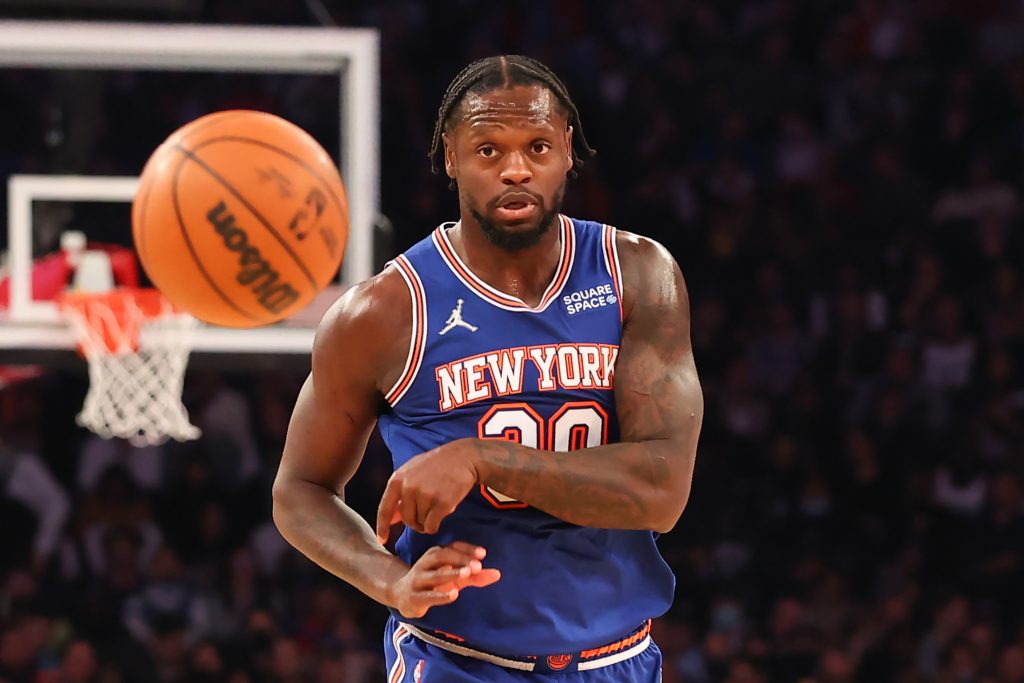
(113, 319)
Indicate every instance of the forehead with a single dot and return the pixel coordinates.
(519, 105)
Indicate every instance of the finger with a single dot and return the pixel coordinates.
(441, 578)
(479, 552)
(422, 601)
(433, 518)
(408, 507)
(439, 556)
(387, 508)
(484, 577)
(432, 598)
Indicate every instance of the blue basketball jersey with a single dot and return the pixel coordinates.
(484, 364)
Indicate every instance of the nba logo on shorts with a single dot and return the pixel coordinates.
(417, 673)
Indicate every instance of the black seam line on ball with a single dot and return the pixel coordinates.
(192, 250)
(283, 152)
(266, 224)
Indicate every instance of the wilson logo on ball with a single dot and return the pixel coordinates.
(255, 269)
(240, 218)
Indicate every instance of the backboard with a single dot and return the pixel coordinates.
(349, 54)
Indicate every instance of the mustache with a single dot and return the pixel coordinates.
(537, 199)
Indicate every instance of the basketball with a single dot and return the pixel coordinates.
(240, 218)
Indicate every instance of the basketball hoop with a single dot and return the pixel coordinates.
(137, 346)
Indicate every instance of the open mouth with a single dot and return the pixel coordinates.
(517, 210)
(516, 205)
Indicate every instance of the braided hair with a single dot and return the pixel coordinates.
(505, 71)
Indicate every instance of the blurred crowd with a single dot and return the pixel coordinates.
(839, 181)
(161, 563)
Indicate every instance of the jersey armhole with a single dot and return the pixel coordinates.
(417, 337)
(611, 263)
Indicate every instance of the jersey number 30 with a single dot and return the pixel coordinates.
(577, 424)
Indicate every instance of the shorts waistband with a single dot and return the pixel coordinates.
(584, 660)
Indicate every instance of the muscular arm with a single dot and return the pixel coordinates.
(358, 354)
(644, 481)
(333, 417)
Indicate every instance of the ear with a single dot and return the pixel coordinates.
(568, 147)
(449, 156)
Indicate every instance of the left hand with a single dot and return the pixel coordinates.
(425, 490)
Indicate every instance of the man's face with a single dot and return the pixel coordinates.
(509, 151)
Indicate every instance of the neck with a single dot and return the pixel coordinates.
(523, 273)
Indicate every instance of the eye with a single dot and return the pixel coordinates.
(486, 151)
(540, 147)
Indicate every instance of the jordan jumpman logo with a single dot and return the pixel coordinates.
(455, 320)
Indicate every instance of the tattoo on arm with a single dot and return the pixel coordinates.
(644, 481)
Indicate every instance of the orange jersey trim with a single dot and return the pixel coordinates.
(398, 669)
(417, 342)
(611, 259)
(450, 636)
(506, 301)
(620, 645)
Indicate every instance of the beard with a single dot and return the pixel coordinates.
(517, 240)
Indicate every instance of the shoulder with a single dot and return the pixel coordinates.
(648, 269)
(362, 304)
(637, 247)
(367, 328)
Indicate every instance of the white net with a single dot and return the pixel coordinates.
(137, 360)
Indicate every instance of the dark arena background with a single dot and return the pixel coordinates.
(840, 183)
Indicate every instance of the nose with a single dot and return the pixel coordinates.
(516, 170)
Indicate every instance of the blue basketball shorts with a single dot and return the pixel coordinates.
(416, 657)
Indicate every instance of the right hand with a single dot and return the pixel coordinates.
(438, 577)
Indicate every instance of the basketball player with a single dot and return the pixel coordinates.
(533, 378)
